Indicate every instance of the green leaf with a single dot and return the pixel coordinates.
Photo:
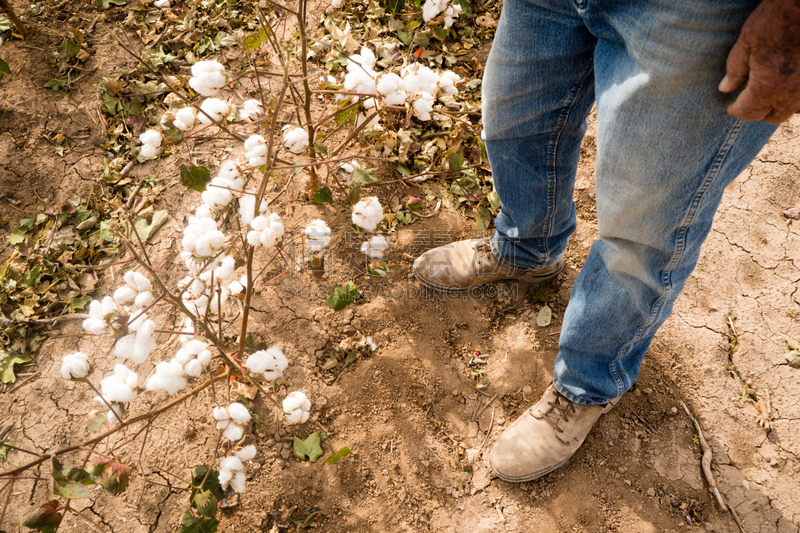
(405, 218)
(7, 365)
(333, 458)
(395, 5)
(79, 302)
(146, 229)
(193, 524)
(422, 38)
(30, 277)
(350, 359)
(211, 484)
(195, 177)
(70, 483)
(466, 8)
(322, 196)
(205, 503)
(102, 5)
(97, 422)
(440, 33)
(341, 297)
(4, 449)
(4, 68)
(68, 49)
(347, 115)
(205, 45)
(365, 176)
(457, 160)
(405, 37)
(403, 170)
(320, 149)
(251, 43)
(56, 84)
(5, 23)
(223, 40)
(309, 448)
(483, 219)
(545, 316)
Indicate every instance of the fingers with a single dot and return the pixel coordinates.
(748, 106)
(737, 66)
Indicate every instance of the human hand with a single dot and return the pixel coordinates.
(766, 58)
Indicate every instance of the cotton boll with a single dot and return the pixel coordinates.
(368, 213)
(239, 413)
(372, 344)
(161, 3)
(204, 358)
(224, 477)
(250, 110)
(143, 299)
(183, 356)
(336, 4)
(232, 463)
(193, 368)
(295, 139)
(109, 307)
(233, 432)
(153, 137)
(450, 14)
(296, 408)
(120, 386)
(269, 363)
(225, 270)
(208, 78)
(216, 108)
(246, 453)
(247, 205)
(220, 413)
(375, 247)
(124, 346)
(276, 225)
(318, 234)
(94, 326)
(149, 151)
(447, 82)
(238, 482)
(169, 377)
(185, 118)
(393, 88)
(217, 193)
(111, 416)
(75, 365)
(361, 118)
(256, 150)
(366, 59)
(124, 295)
(422, 106)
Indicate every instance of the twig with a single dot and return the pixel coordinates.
(53, 320)
(478, 415)
(488, 431)
(706, 461)
(13, 16)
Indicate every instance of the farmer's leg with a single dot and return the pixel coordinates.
(666, 151)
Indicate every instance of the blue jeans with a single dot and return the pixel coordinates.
(666, 150)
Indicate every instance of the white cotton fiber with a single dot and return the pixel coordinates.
(269, 363)
(255, 150)
(318, 234)
(185, 118)
(295, 139)
(296, 408)
(208, 77)
(75, 365)
(216, 108)
(368, 213)
(250, 110)
(376, 247)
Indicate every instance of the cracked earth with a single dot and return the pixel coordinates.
(418, 429)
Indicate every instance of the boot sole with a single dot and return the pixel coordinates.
(531, 279)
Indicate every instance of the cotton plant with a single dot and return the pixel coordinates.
(296, 408)
(231, 420)
(360, 76)
(269, 364)
(75, 366)
(194, 356)
(201, 237)
(151, 144)
(185, 118)
(250, 110)
(215, 108)
(432, 8)
(219, 192)
(266, 230)
(208, 77)
(295, 139)
(318, 235)
(256, 150)
(101, 314)
(368, 213)
(376, 247)
(231, 468)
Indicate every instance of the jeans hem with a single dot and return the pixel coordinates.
(574, 399)
(500, 245)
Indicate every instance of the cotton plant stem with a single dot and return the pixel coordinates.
(152, 414)
(314, 185)
(13, 16)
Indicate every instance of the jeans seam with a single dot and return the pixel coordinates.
(680, 247)
(552, 154)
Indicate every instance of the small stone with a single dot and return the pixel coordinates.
(651, 492)
(673, 411)
(527, 391)
(285, 453)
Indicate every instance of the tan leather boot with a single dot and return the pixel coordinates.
(460, 265)
(544, 437)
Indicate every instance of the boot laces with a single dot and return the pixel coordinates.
(559, 411)
(483, 255)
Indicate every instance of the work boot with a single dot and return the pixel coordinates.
(464, 264)
(544, 437)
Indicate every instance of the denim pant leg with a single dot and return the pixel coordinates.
(538, 88)
(666, 151)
